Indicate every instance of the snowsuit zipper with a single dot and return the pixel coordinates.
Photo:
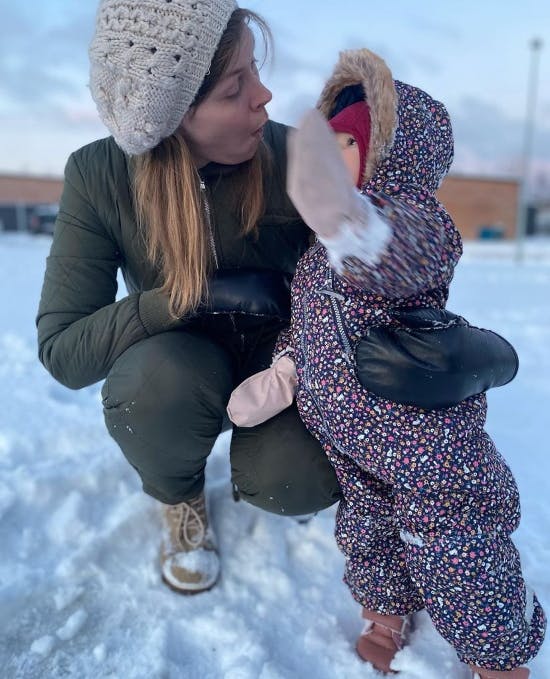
(335, 297)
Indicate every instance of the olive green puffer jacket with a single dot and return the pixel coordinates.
(82, 330)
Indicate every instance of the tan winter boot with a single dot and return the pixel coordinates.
(480, 673)
(189, 556)
(382, 637)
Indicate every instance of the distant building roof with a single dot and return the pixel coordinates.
(29, 189)
(483, 178)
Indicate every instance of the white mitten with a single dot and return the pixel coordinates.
(264, 394)
(318, 181)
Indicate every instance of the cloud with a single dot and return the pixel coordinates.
(295, 82)
(406, 67)
(43, 56)
(431, 27)
(80, 115)
(489, 140)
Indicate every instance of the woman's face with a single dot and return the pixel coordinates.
(226, 127)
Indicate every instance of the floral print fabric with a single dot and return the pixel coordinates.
(429, 503)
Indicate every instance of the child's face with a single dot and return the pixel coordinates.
(350, 154)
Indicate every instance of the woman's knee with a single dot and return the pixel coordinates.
(170, 371)
(164, 403)
(278, 466)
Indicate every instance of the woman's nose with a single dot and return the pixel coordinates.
(262, 96)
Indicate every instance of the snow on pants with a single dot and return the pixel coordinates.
(164, 404)
(429, 505)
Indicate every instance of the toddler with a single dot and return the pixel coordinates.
(428, 502)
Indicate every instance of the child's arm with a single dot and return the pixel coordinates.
(268, 392)
(395, 243)
(283, 345)
(404, 242)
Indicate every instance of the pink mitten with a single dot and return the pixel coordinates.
(318, 181)
(264, 394)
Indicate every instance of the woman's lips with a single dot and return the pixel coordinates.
(259, 132)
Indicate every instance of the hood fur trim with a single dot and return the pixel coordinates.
(365, 67)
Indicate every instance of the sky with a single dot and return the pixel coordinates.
(474, 55)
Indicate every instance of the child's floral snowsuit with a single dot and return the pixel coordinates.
(429, 504)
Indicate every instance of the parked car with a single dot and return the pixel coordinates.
(42, 218)
(490, 232)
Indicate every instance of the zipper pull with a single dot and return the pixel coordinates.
(331, 293)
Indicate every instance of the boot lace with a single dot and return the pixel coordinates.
(190, 518)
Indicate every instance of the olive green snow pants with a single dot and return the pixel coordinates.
(164, 404)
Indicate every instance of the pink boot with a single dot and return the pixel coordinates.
(382, 637)
(519, 673)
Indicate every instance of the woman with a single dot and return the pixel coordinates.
(188, 199)
(170, 368)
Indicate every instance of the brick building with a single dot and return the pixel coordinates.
(21, 194)
(481, 207)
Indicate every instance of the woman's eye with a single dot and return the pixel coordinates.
(351, 141)
(234, 93)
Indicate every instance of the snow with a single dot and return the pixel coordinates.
(80, 588)
(202, 561)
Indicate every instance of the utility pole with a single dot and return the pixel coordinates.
(532, 85)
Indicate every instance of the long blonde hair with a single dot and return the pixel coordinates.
(167, 193)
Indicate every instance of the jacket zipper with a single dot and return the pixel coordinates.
(212, 242)
(209, 225)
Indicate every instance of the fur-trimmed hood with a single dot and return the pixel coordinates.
(411, 136)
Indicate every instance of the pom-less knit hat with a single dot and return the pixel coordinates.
(148, 60)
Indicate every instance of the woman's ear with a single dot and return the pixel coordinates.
(189, 115)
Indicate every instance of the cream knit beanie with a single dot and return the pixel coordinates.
(148, 60)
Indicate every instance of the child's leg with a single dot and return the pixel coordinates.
(366, 532)
(456, 504)
(460, 555)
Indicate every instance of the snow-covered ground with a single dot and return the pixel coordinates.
(80, 594)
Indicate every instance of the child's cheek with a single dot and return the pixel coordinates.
(351, 159)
